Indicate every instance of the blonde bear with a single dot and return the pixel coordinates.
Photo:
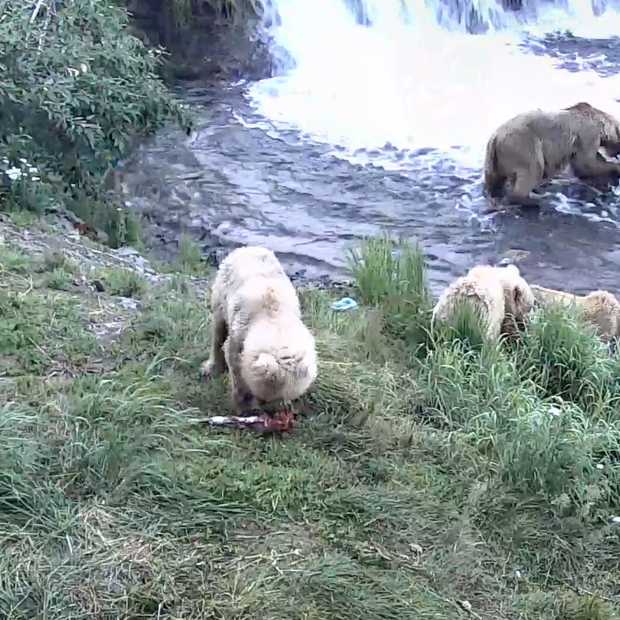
(501, 297)
(257, 331)
(599, 308)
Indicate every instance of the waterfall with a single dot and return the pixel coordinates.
(423, 73)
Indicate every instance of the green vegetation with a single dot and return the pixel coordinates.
(190, 259)
(77, 88)
(122, 282)
(451, 481)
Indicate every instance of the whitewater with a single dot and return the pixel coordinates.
(410, 76)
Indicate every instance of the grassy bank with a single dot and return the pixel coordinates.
(427, 479)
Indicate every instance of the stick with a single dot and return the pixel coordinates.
(37, 8)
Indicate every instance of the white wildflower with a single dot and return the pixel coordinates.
(14, 173)
(600, 466)
(36, 178)
(83, 68)
(23, 161)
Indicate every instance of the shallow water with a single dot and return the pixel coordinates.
(262, 168)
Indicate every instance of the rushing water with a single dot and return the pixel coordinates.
(377, 120)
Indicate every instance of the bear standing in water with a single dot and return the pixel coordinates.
(538, 145)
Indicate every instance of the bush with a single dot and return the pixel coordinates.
(76, 88)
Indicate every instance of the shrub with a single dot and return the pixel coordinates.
(123, 282)
(76, 88)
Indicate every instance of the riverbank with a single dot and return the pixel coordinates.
(424, 479)
(452, 484)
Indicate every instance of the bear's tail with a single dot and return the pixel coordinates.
(493, 181)
(267, 367)
(273, 368)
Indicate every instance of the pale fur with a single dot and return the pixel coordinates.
(538, 145)
(500, 295)
(257, 331)
(600, 308)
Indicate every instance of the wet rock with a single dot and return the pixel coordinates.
(98, 286)
(128, 303)
(204, 47)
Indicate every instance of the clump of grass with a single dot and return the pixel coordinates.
(23, 218)
(561, 353)
(565, 606)
(14, 260)
(357, 334)
(123, 282)
(394, 280)
(356, 391)
(464, 387)
(555, 450)
(38, 329)
(55, 259)
(360, 374)
(383, 271)
(466, 325)
(175, 321)
(59, 280)
(190, 259)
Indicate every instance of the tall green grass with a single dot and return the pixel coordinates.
(541, 412)
(416, 478)
(561, 353)
(393, 279)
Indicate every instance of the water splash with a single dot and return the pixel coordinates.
(365, 73)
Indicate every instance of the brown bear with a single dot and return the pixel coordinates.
(538, 145)
(600, 308)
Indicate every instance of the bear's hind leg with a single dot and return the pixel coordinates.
(216, 364)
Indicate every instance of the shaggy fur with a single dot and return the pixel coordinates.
(500, 296)
(538, 145)
(257, 332)
(600, 308)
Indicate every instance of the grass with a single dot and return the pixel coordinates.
(122, 282)
(429, 474)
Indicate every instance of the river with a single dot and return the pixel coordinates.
(376, 120)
